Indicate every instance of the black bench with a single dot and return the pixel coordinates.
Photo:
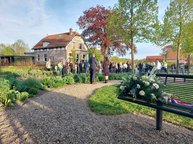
(183, 93)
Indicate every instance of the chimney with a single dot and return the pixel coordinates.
(70, 31)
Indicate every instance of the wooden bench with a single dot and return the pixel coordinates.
(184, 93)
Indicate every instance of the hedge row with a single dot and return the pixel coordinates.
(14, 88)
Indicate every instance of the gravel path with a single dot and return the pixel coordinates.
(62, 116)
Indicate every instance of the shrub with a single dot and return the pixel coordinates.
(7, 96)
(53, 82)
(22, 96)
(69, 79)
(29, 85)
(85, 77)
(81, 78)
(77, 78)
(100, 77)
(117, 76)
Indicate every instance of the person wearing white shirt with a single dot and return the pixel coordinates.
(159, 66)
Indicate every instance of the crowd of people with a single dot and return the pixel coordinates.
(106, 66)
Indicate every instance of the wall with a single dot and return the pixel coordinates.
(62, 53)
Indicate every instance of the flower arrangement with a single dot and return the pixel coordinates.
(146, 87)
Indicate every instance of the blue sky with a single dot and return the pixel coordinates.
(31, 20)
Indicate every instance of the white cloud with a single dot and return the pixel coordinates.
(31, 20)
(21, 19)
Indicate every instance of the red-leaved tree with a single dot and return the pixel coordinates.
(94, 23)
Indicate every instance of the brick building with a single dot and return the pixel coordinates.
(154, 58)
(59, 47)
(171, 55)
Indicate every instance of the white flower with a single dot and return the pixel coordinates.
(122, 87)
(166, 99)
(152, 79)
(146, 83)
(134, 78)
(166, 94)
(156, 86)
(153, 96)
(145, 78)
(138, 86)
(141, 93)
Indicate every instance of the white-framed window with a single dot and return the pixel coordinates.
(45, 44)
(38, 57)
(45, 57)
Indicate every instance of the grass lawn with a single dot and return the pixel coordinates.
(184, 91)
(104, 101)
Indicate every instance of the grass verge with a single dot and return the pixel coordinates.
(104, 101)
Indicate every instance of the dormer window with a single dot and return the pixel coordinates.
(45, 44)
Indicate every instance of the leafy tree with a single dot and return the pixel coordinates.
(17, 48)
(7, 51)
(98, 55)
(177, 15)
(134, 21)
(187, 43)
(117, 59)
(94, 24)
(20, 47)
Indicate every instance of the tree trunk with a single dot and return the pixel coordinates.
(132, 57)
(188, 63)
(132, 45)
(177, 58)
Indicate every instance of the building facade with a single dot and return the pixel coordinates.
(60, 47)
(171, 55)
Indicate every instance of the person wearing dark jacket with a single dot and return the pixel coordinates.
(93, 64)
(106, 69)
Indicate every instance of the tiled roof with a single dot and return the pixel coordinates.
(56, 40)
(154, 58)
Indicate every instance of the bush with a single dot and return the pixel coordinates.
(22, 96)
(7, 96)
(53, 82)
(77, 78)
(29, 85)
(101, 77)
(69, 79)
(117, 76)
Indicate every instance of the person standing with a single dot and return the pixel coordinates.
(85, 66)
(158, 66)
(48, 65)
(165, 67)
(93, 64)
(80, 67)
(60, 67)
(106, 69)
